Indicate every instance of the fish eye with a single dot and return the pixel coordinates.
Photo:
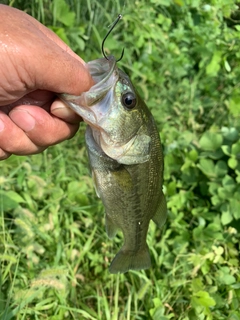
(129, 100)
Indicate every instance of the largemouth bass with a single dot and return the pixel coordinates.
(126, 160)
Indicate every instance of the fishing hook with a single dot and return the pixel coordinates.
(113, 26)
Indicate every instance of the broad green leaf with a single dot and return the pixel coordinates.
(224, 276)
(230, 134)
(232, 163)
(7, 202)
(190, 174)
(161, 2)
(223, 194)
(226, 216)
(197, 284)
(216, 200)
(228, 183)
(63, 13)
(226, 149)
(193, 155)
(179, 2)
(79, 42)
(214, 66)
(163, 21)
(62, 34)
(57, 192)
(158, 309)
(236, 148)
(238, 177)
(235, 208)
(221, 168)
(203, 299)
(8, 258)
(234, 105)
(215, 155)
(171, 188)
(227, 8)
(211, 141)
(227, 66)
(157, 302)
(76, 191)
(207, 167)
(14, 196)
(213, 187)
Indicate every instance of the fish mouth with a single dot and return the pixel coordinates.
(101, 71)
(105, 75)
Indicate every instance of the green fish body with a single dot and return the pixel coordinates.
(126, 160)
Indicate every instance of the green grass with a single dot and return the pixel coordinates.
(55, 254)
(54, 251)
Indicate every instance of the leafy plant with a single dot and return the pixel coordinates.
(183, 57)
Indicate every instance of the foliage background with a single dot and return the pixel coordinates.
(183, 56)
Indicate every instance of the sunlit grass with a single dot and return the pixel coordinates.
(54, 251)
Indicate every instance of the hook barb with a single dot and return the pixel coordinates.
(112, 27)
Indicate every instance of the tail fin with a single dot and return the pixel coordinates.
(129, 260)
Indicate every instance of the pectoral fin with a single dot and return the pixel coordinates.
(95, 183)
(161, 215)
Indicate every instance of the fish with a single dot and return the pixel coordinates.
(126, 160)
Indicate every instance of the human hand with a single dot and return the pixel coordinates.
(34, 65)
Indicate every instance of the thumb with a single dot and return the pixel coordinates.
(37, 58)
(60, 72)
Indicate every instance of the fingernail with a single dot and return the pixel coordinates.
(1, 125)
(60, 110)
(23, 119)
(59, 106)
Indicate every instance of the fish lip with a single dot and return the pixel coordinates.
(105, 75)
(95, 74)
